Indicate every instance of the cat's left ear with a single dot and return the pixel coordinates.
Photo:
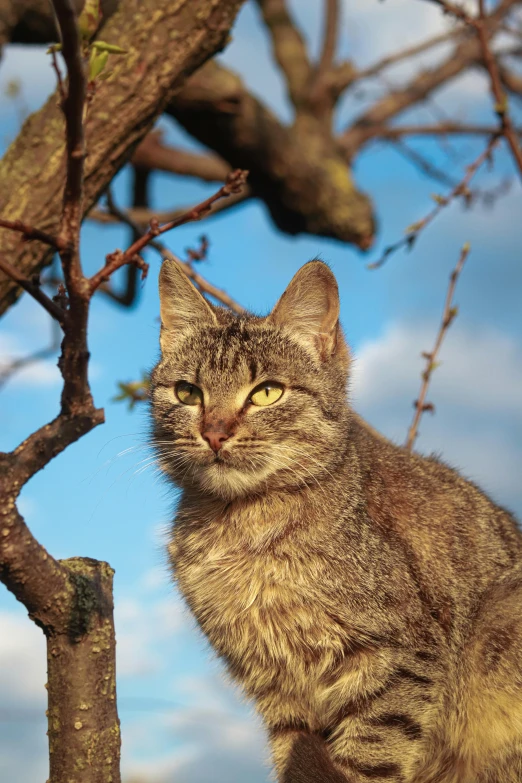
(310, 309)
(181, 304)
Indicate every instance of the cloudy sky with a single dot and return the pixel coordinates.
(181, 721)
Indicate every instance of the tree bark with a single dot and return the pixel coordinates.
(84, 729)
(300, 171)
(166, 40)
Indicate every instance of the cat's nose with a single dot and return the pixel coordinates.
(215, 439)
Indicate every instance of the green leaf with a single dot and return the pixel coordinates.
(57, 47)
(102, 46)
(97, 63)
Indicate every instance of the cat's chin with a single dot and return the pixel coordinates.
(227, 482)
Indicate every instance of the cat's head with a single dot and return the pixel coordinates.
(244, 404)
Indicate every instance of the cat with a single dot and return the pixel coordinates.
(367, 599)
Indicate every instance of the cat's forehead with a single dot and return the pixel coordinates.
(236, 352)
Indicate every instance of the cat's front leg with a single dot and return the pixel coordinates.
(301, 756)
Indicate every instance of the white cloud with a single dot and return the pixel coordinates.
(217, 740)
(22, 661)
(479, 369)
(477, 392)
(140, 626)
(41, 372)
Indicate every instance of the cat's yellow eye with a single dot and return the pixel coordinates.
(266, 393)
(189, 394)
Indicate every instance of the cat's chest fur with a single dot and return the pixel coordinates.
(260, 601)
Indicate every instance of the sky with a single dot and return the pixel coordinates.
(182, 721)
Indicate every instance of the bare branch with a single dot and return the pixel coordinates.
(480, 25)
(499, 96)
(422, 163)
(202, 284)
(288, 47)
(467, 53)
(114, 261)
(30, 232)
(10, 368)
(460, 189)
(448, 316)
(404, 54)
(33, 289)
(152, 154)
(73, 105)
(330, 35)
(441, 129)
(142, 216)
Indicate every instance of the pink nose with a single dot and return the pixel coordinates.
(215, 439)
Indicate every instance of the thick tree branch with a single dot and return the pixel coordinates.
(153, 155)
(140, 85)
(299, 171)
(288, 47)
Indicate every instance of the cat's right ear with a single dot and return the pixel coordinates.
(181, 304)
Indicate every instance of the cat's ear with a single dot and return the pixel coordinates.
(310, 308)
(181, 305)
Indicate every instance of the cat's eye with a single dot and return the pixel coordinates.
(266, 393)
(188, 393)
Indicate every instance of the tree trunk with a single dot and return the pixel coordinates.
(84, 729)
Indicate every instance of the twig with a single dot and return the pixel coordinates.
(442, 129)
(448, 316)
(500, 97)
(34, 290)
(142, 216)
(61, 88)
(403, 54)
(460, 189)
(480, 25)
(421, 162)
(30, 232)
(235, 181)
(9, 369)
(200, 281)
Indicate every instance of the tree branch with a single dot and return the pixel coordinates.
(33, 289)
(288, 47)
(441, 129)
(448, 316)
(202, 284)
(140, 85)
(153, 155)
(460, 189)
(114, 261)
(404, 54)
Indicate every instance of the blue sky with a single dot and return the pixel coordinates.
(103, 499)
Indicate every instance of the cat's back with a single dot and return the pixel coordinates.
(454, 530)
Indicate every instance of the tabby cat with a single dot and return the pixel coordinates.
(368, 600)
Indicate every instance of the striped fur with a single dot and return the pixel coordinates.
(368, 600)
